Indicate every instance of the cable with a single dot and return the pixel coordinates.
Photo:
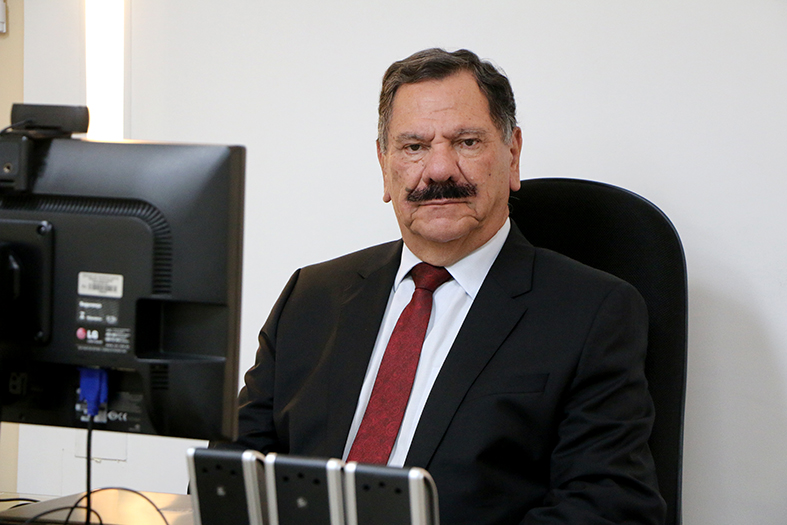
(122, 489)
(58, 509)
(93, 391)
(23, 502)
(89, 461)
(8, 129)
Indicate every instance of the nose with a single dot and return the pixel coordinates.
(441, 164)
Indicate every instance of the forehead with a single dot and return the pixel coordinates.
(452, 101)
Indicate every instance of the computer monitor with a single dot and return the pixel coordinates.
(124, 257)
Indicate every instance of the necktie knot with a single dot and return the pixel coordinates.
(429, 277)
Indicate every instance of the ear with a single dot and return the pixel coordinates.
(379, 153)
(515, 149)
(381, 160)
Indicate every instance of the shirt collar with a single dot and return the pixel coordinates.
(470, 271)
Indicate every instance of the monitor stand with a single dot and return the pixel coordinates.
(116, 507)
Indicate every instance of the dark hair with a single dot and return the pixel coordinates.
(437, 64)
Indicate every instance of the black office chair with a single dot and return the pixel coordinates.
(617, 231)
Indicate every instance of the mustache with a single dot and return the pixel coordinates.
(442, 190)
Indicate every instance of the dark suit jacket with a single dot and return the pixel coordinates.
(540, 413)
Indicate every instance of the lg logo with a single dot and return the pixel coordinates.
(90, 335)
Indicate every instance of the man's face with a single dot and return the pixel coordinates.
(447, 170)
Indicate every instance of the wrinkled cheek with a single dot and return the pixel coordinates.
(402, 210)
(407, 174)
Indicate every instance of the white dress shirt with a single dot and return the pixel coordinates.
(450, 304)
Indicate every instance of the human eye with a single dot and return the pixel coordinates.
(469, 143)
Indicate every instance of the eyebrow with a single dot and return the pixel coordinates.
(472, 131)
(407, 137)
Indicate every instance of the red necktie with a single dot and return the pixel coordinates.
(391, 391)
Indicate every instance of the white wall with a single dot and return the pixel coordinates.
(682, 101)
(11, 91)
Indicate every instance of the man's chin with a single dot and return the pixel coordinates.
(441, 231)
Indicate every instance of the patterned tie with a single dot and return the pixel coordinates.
(391, 391)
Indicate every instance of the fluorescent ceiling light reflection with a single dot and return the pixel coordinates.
(104, 67)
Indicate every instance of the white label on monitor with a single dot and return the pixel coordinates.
(101, 284)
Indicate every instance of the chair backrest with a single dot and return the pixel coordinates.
(619, 232)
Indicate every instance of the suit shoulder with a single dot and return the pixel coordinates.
(363, 261)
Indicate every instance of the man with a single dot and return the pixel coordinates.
(529, 403)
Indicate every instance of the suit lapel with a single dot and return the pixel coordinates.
(363, 304)
(497, 308)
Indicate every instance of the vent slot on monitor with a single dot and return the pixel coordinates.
(159, 377)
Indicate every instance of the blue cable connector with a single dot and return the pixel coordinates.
(93, 388)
